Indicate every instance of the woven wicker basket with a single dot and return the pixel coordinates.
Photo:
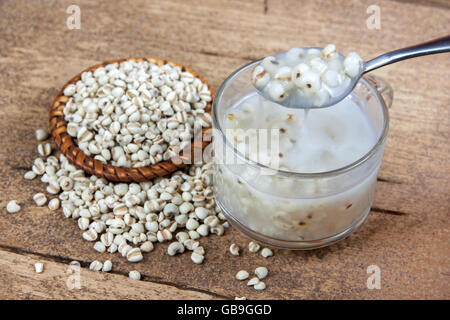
(65, 143)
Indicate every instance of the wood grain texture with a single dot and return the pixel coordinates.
(407, 233)
(20, 281)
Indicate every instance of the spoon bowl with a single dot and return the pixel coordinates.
(299, 100)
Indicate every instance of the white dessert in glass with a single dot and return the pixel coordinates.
(325, 177)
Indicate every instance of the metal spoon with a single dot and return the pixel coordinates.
(296, 100)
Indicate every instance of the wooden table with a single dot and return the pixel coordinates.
(406, 234)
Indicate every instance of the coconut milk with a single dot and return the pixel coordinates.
(290, 208)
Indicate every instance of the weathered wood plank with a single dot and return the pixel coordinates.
(19, 280)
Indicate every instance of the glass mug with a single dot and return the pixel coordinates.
(296, 210)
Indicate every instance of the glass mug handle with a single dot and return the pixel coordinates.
(383, 88)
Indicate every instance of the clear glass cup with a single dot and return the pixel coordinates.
(297, 210)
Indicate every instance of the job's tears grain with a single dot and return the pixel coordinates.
(12, 206)
(134, 114)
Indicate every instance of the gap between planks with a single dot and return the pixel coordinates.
(20, 281)
(443, 4)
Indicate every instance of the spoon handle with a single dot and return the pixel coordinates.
(431, 47)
